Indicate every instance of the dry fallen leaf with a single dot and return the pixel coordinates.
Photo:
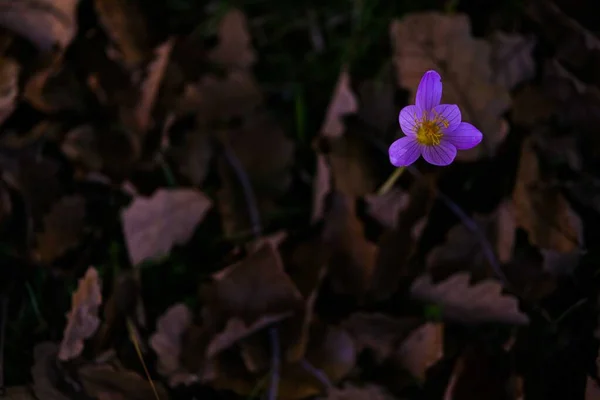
(531, 106)
(151, 85)
(234, 50)
(342, 103)
(166, 342)
(351, 392)
(82, 320)
(63, 228)
(421, 349)
(126, 25)
(353, 256)
(9, 86)
(44, 372)
(321, 188)
(153, 225)
(425, 41)
(512, 60)
(379, 333)
(482, 302)
(377, 108)
(542, 210)
(386, 208)
(44, 22)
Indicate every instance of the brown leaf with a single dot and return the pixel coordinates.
(480, 375)
(353, 256)
(430, 40)
(151, 85)
(386, 208)
(422, 349)
(351, 392)
(82, 320)
(321, 188)
(234, 50)
(512, 62)
(9, 85)
(379, 333)
(377, 106)
(542, 210)
(531, 106)
(127, 27)
(19, 393)
(153, 225)
(80, 146)
(101, 380)
(44, 22)
(193, 156)
(167, 341)
(343, 102)
(44, 372)
(63, 228)
(482, 302)
(254, 288)
(214, 98)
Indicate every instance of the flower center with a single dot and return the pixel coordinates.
(429, 132)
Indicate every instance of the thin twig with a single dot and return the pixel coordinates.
(275, 363)
(249, 196)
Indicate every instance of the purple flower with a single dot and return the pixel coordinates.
(432, 129)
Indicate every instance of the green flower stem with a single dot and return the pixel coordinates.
(387, 185)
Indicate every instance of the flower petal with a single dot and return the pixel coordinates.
(464, 137)
(441, 154)
(409, 120)
(404, 151)
(450, 114)
(429, 92)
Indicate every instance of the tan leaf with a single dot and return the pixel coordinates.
(512, 61)
(167, 341)
(482, 302)
(421, 349)
(151, 84)
(430, 40)
(63, 228)
(125, 24)
(234, 49)
(9, 85)
(342, 103)
(542, 210)
(321, 188)
(82, 320)
(353, 261)
(44, 22)
(153, 225)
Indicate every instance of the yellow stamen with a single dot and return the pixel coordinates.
(429, 131)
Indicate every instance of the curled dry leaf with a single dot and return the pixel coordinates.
(342, 103)
(542, 210)
(127, 27)
(234, 50)
(63, 228)
(151, 84)
(9, 85)
(353, 256)
(82, 320)
(482, 302)
(512, 62)
(422, 349)
(153, 225)
(425, 41)
(167, 341)
(44, 22)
